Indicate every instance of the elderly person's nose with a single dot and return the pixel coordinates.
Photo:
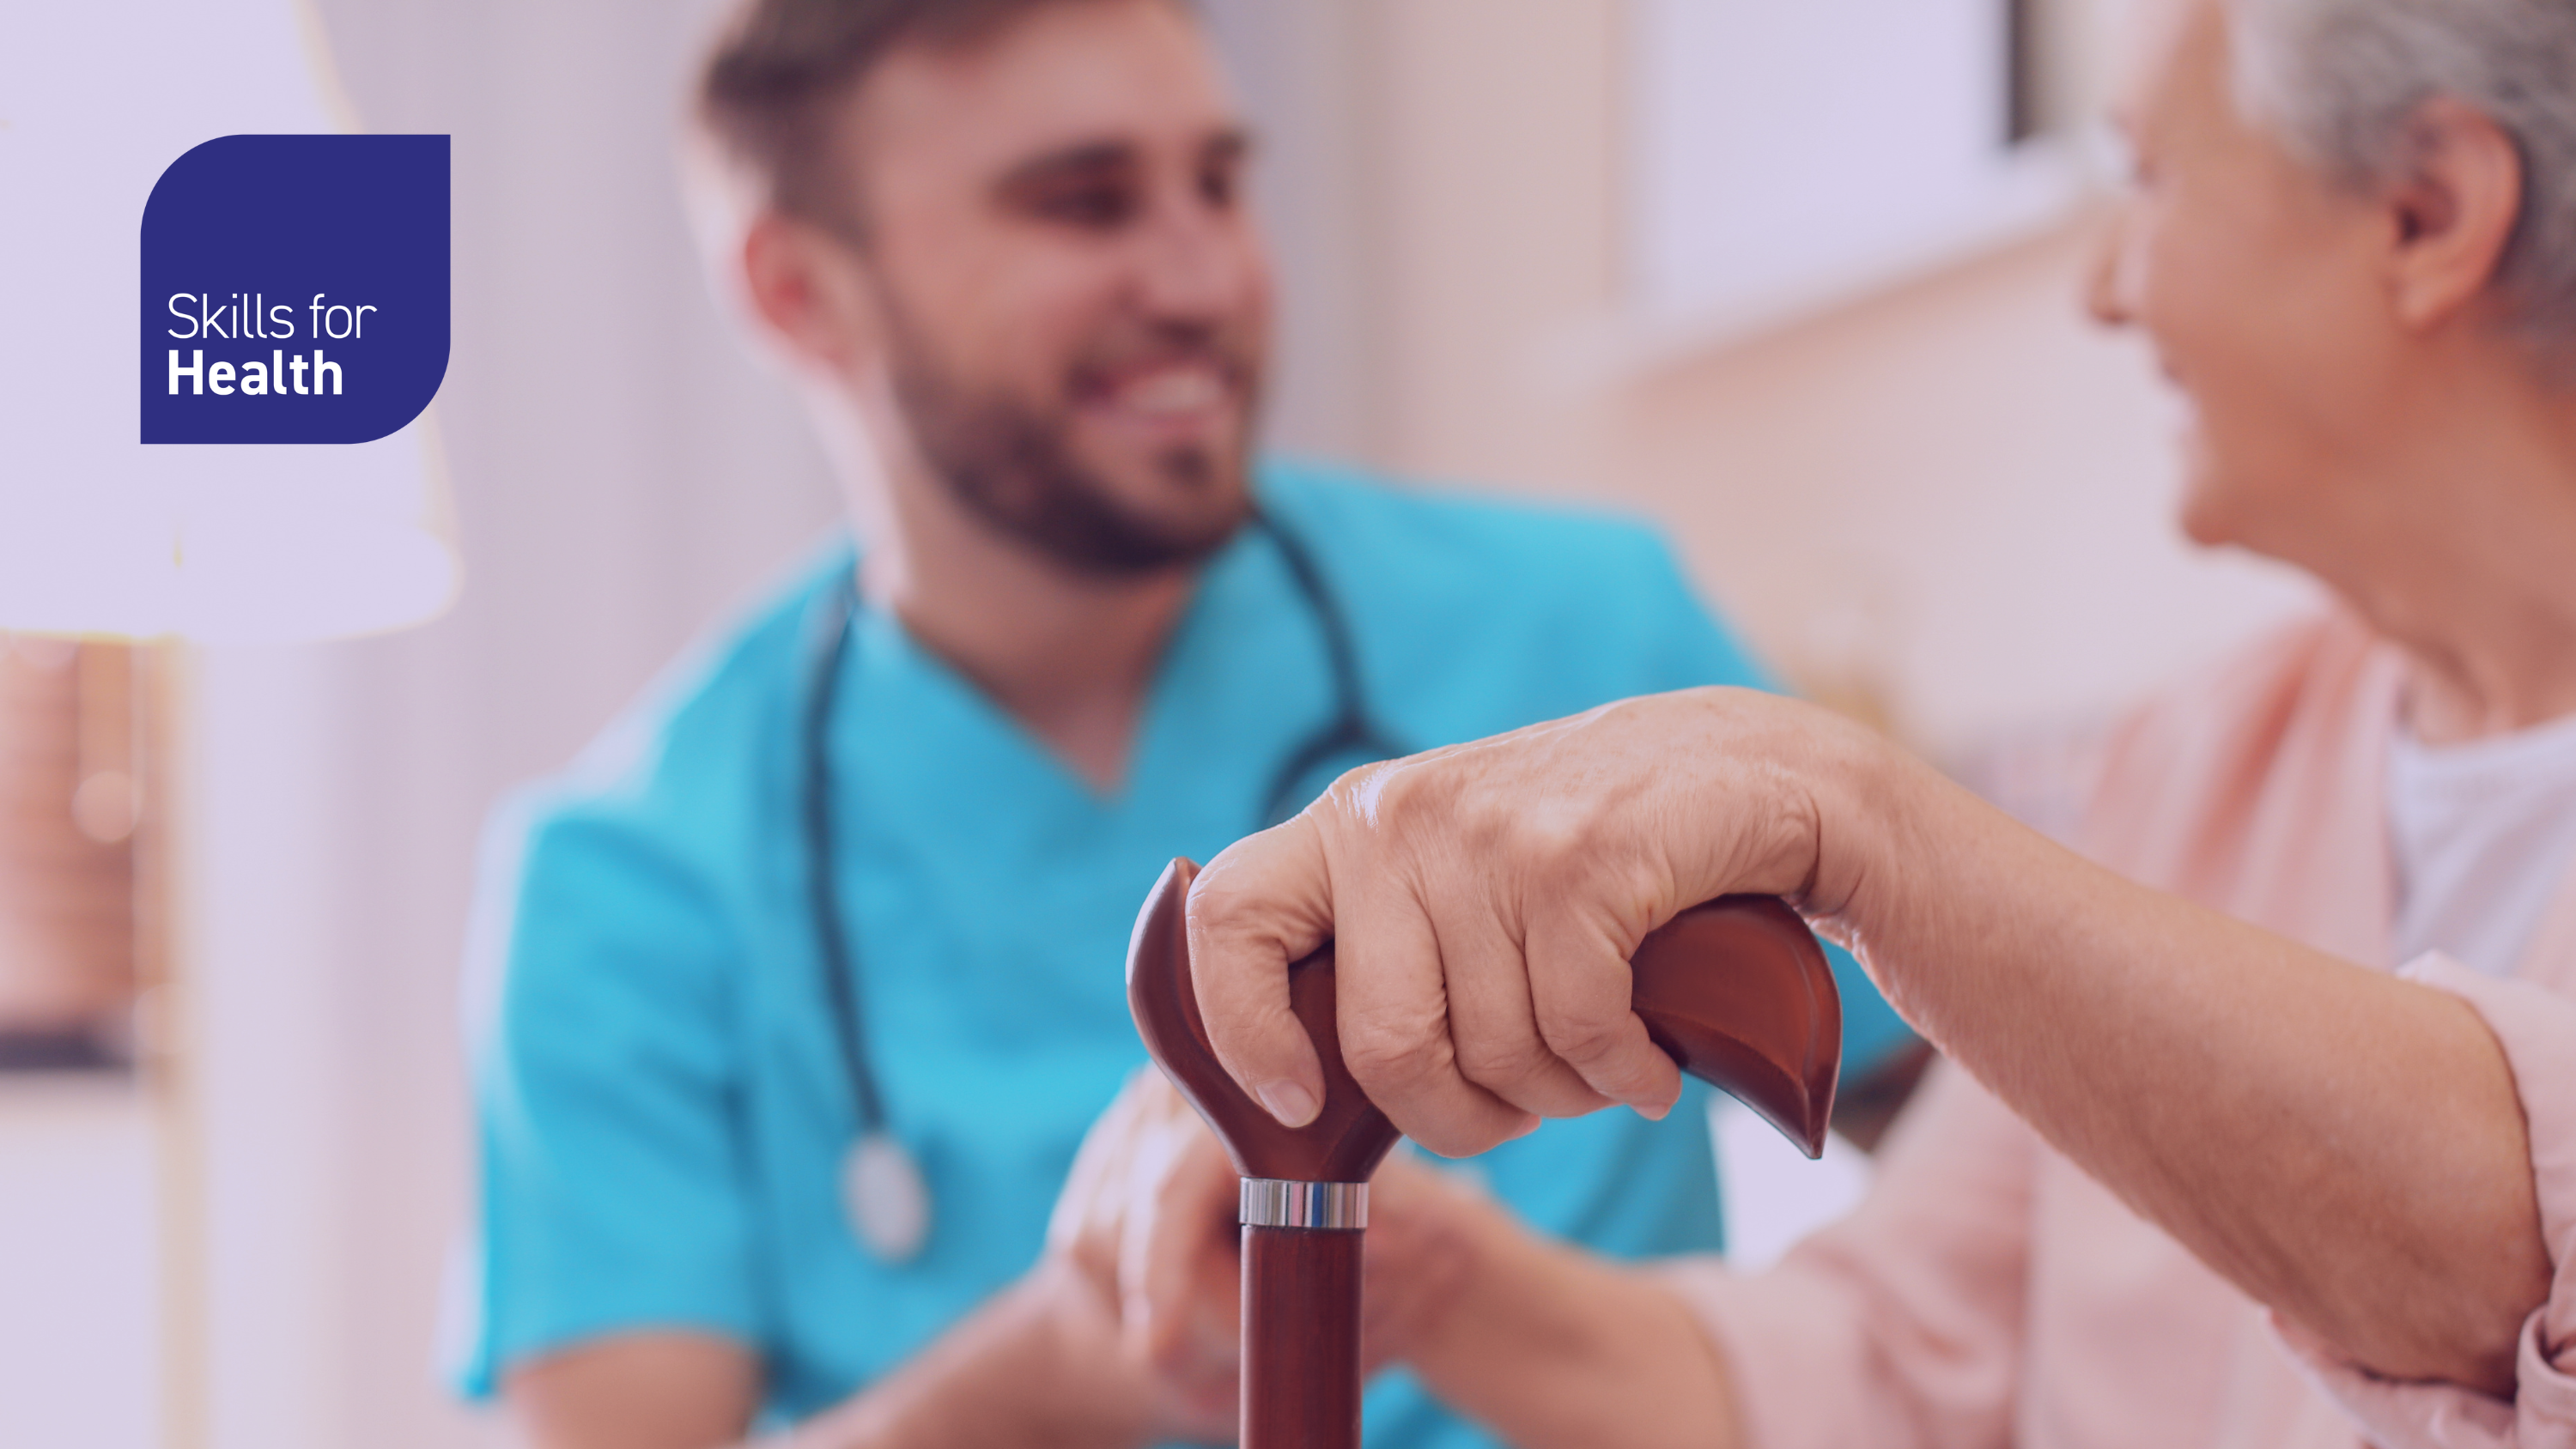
(2110, 282)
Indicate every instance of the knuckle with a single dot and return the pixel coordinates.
(1560, 843)
(1388, 802)
(1499, 1062)
(1397, 1064)
(1348, 810)
(1383, 1062)
(1584, 1039)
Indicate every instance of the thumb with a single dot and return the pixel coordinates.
(1265, 902)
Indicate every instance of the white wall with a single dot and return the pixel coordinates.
(622, 475)
(1881, 495)
(79, 1261)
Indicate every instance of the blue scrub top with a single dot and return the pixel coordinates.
(662, 1108)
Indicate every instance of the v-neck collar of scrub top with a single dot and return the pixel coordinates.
(1243, 680)
(987, 892)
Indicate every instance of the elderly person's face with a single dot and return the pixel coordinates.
(2264, 289)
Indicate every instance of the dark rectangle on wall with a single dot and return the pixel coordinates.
(70, 802)
(2023, 81)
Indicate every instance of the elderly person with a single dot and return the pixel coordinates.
(2204, 1170)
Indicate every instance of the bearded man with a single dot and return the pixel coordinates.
(802, 988)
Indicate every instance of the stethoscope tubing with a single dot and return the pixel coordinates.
(1350, 731)
(840, 965)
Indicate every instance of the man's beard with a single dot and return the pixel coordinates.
(1013, 467)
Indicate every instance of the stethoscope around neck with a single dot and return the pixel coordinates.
(883, 1191)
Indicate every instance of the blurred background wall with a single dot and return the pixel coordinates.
(1878, 493)
(1942, 502)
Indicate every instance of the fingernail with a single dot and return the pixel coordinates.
(1293, 1105)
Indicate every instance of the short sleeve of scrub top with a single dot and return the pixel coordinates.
(630, 1106)
(617, 1182)
(661, 1108)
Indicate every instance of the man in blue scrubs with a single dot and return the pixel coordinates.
(862, 871)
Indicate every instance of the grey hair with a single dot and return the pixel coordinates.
(2342, 81)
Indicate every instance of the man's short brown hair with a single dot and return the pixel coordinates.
(777, 80)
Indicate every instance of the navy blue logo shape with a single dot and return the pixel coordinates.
(295, 289)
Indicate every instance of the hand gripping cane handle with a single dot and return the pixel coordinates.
(1736, 991)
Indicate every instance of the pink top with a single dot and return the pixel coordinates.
(1989, 1293)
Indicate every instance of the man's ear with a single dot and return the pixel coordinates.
(810, 291)
(2454, 214)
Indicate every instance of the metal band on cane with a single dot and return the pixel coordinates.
(1271, 1203)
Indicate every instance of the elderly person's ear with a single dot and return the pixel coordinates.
(2454, 214)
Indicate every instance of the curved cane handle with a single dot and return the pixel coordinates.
(1347, 1139)
(1735, 990)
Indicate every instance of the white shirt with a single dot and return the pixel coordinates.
(2484, 834)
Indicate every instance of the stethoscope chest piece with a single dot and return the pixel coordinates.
(886, 1197)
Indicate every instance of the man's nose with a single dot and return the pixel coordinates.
(1200, 261)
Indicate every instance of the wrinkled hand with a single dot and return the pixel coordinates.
(1484, 901)
(1149, 1213)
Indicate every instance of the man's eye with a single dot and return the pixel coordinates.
(1099, 207)
(1217, 186)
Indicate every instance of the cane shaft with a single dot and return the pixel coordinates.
(1301, 1338)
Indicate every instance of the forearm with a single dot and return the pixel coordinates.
(2345, 1146)
(1012, 1374)
(1549, 1346)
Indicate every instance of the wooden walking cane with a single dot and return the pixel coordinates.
(1735, 990)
